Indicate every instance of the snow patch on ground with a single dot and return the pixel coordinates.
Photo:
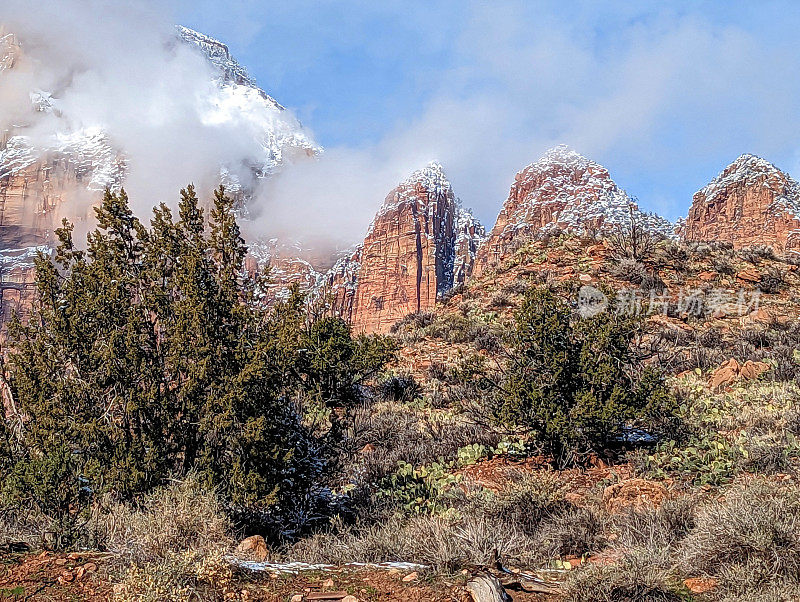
(294, 568)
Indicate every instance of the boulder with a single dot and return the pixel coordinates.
(751, 276)
(725, 375)
(752, 370)
(254, 547)
(731, 371)
(700, 585)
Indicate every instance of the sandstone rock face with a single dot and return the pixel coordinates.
(751, 202)
(36, 192)
(17, 284)
(562, 191)
(420, 244)
(339, 284)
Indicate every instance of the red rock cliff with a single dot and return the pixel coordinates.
(751, 202)
(420, 244)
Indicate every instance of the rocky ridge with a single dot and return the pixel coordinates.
(563, 191)
(420, 245)
(751, 202)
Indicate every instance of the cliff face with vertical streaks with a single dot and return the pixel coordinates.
(420, 244)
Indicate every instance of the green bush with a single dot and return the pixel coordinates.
(576, 384)
(150, 355)
(50, 482)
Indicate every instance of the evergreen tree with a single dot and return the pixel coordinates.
(576, 384)
(150, 355)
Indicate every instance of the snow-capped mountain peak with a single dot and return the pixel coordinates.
(218, 55)
(750, 170)
(566, 190)
(750, 202)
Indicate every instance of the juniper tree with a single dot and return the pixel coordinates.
(575, 384)
(149, 355)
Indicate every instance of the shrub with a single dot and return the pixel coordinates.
(634, 578)
(182, 576)
(655, 529)
(398, 434)
(501, 299)
(634, 239)
(772, 281)
(170, 520)
(481, 527)
(458, 289)
(757, 253)
(756, 336)
(673, 255)
(652, 282)
(722, 265)
(413, 321)
(574, 530)
(528, 501)
(576, 384)
(334, 365)
(399, 388)
(47, 488)
(711, 338)
(489, 341)
(700, 250)
(769, 453)
(518, 287)
(170, 546)
(630, 270)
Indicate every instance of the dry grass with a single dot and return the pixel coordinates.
(634, 578)
(172, 519)
(748, 539)
(171, 547)
(529, 525)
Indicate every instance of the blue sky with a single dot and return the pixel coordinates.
(663, 94)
